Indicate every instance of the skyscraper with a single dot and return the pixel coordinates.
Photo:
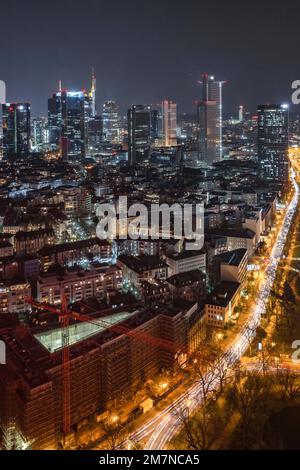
(94, 134)
(90, 99)
(16, 129)
(241, 113)
(66, 120)
(93, 122)
(209, 116)
(55, 121)
(154, 125)
(139, 132)
(273, 141)
(39, 134)
(93, 94)
(168, 123)
(111, 122)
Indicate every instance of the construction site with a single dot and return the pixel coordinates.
(73, 367)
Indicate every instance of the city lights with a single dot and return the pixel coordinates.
(149, 232)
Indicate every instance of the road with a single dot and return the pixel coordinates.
(161, 429)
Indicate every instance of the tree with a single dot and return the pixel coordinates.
(288, 383)
(114, 434)
(249, 395)
(265, 360)
(203, 430)
(221, 364)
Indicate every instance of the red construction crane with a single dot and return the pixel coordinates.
(65, 314)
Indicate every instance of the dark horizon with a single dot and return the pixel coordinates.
(146, 55)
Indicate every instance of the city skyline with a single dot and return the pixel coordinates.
(170, 64)
(149, 229)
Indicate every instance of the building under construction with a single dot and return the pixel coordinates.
(104, 365)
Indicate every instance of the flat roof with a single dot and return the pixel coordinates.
(223, 232)
(52, 339)
(142, 263)
(186, 254)
(186, 278)
(233, 258)
(223, 293)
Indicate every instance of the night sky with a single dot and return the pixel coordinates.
(144, 51)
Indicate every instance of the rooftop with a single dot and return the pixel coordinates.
(223, 294)
(233, 258)
(185, 254)
(224, 232)
(34, 234)
(142, 263)
(28, 349)
(50, 249)
(186, 278)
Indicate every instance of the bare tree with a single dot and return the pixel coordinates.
(250, 335)
(221, 364)
(201, 431)
(114, 435)
(205, 374)
(265, 361)
(249, 395)
(289, 385)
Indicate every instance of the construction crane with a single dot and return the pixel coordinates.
(64, 315)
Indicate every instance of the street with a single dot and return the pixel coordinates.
(160, 430)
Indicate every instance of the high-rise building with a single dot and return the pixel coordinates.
(111, 122)
(93, 122)
(66, 120)
(139, 133)
(241, 113)
(209, 114)
(154, 124)
(93, 94)
(168, 123)
(94, 134)
(16, 129)
(55, 121)
(273, 141)
(90, 99)
(39, 134)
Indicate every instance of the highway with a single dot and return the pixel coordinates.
(159, 430)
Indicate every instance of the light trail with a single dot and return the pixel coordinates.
(166, 423)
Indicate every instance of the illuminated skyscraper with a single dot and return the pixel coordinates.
(241, 113)
(168, 123)
(139, 133)
(273, 141)
(209, 113)
(111, 122)
(93, 122)
(154, 124)
(93, 94)
(39, 133)
(66, 120)
(94, 136)
(55, 120)
(16, 129)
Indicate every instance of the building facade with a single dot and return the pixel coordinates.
(139, 133)
(273, 142)
(16, 129)
(209, 116)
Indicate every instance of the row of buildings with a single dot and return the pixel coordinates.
(74, 132)
(136, 306)
(75, 129)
